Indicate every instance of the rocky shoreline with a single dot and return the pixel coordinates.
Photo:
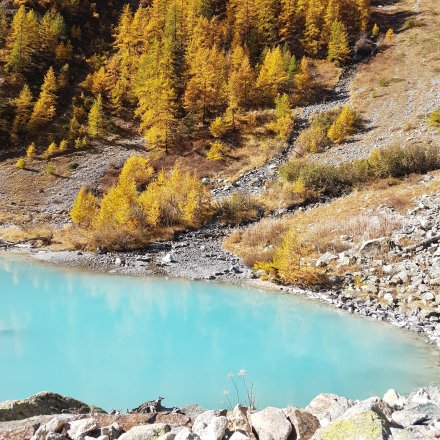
(50, 416)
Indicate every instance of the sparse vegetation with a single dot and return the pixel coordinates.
(434, 119)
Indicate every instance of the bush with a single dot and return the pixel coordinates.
(240, 207)
(216, 152)
(383, 163)
(219, 127)
(64, 145)
(20, 164)
(410, 23)
(314, 139)
(293, 263)
(283, 124)
(31, 150)
(434, 118)
(344, 126)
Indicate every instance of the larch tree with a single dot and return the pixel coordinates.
(273, 77)
(267, 21)
(289, 18)
(45, 107)
(338, 48)
(23, 110)
(156, 95)
(96, 118)
(22, 41)
(51, 29)
(206, 86)
(313, 24)
(241, 80)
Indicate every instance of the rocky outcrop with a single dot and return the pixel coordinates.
(41, 404)
(327, 417)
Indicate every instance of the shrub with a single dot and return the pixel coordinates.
(293, 263)
(81, 143)
(64, 145)
(375, 31)
(84, 209)
(50, 169)
(284, 118)
(344, 126)
(314, 139)
(21, 163)
(216, 152)
(31, 150)
(52, 149)
(238, 208)
(177, 198)
(434, 118)
(138, 169)
(389, 36)
(219, 127)
(411, 22)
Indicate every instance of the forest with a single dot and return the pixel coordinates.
(176, 67)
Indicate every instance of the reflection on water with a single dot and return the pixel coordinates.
(117, 341)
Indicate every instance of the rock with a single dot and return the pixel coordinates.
(192, 411)
(404, 434)
(56, 436)
(55, 425)
(210, 426)
(328, 407)
(365, 426)
(237, 435)
(324, 259)
(238, 420)
(186, 434)
(372, 245)
(172, 418)
(374, 404)
(168, 258)
(146, 432)
(419, 396)
(79, 428)
(304, 424)
(408, 417)
(394, 399)
(435, 281)
(271, 424)
(44, 403)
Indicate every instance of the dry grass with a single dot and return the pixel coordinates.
(359, 215)
(258, 242)
(39, 235)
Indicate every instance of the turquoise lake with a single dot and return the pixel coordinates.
(117, 341)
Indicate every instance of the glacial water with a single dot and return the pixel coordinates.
(117, 341)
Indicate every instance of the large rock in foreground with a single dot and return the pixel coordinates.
(44, 403)
(365, 426)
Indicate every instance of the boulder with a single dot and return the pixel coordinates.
(375, 404)
(408, 417)
(328, 407)
(210, 426)
(173, 418)
(406, 434)
(146, 432)
(271, 424)
(80, 428)
(364, 426)
(44, 403)
(394, 399)
(373, 245)
(237, 435)
(304, 424)
(186, 434)
(238, 420)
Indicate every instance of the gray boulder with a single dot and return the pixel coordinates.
(394, 399)
(271, 424)
(408, 417)
(43, 403)
(328, 407)
(146, 432)
(210, 426)
(406, 434)
(186, 434)
(238, 420)
(80, 428)
(375, 404)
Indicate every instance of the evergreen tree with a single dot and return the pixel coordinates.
(96, 118)
(23, 110)
(338, 48)
(45, 107)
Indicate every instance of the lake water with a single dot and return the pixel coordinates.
(118, 341)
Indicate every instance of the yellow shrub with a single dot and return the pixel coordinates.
(52, 149)
(138, 169)
(344, 125)
(219, 127)
(20, 164)
(64, 144)
(31, 150)
(216, 152)
(292, 263)
(84, 209)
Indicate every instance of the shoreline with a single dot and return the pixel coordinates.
(151, 264)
